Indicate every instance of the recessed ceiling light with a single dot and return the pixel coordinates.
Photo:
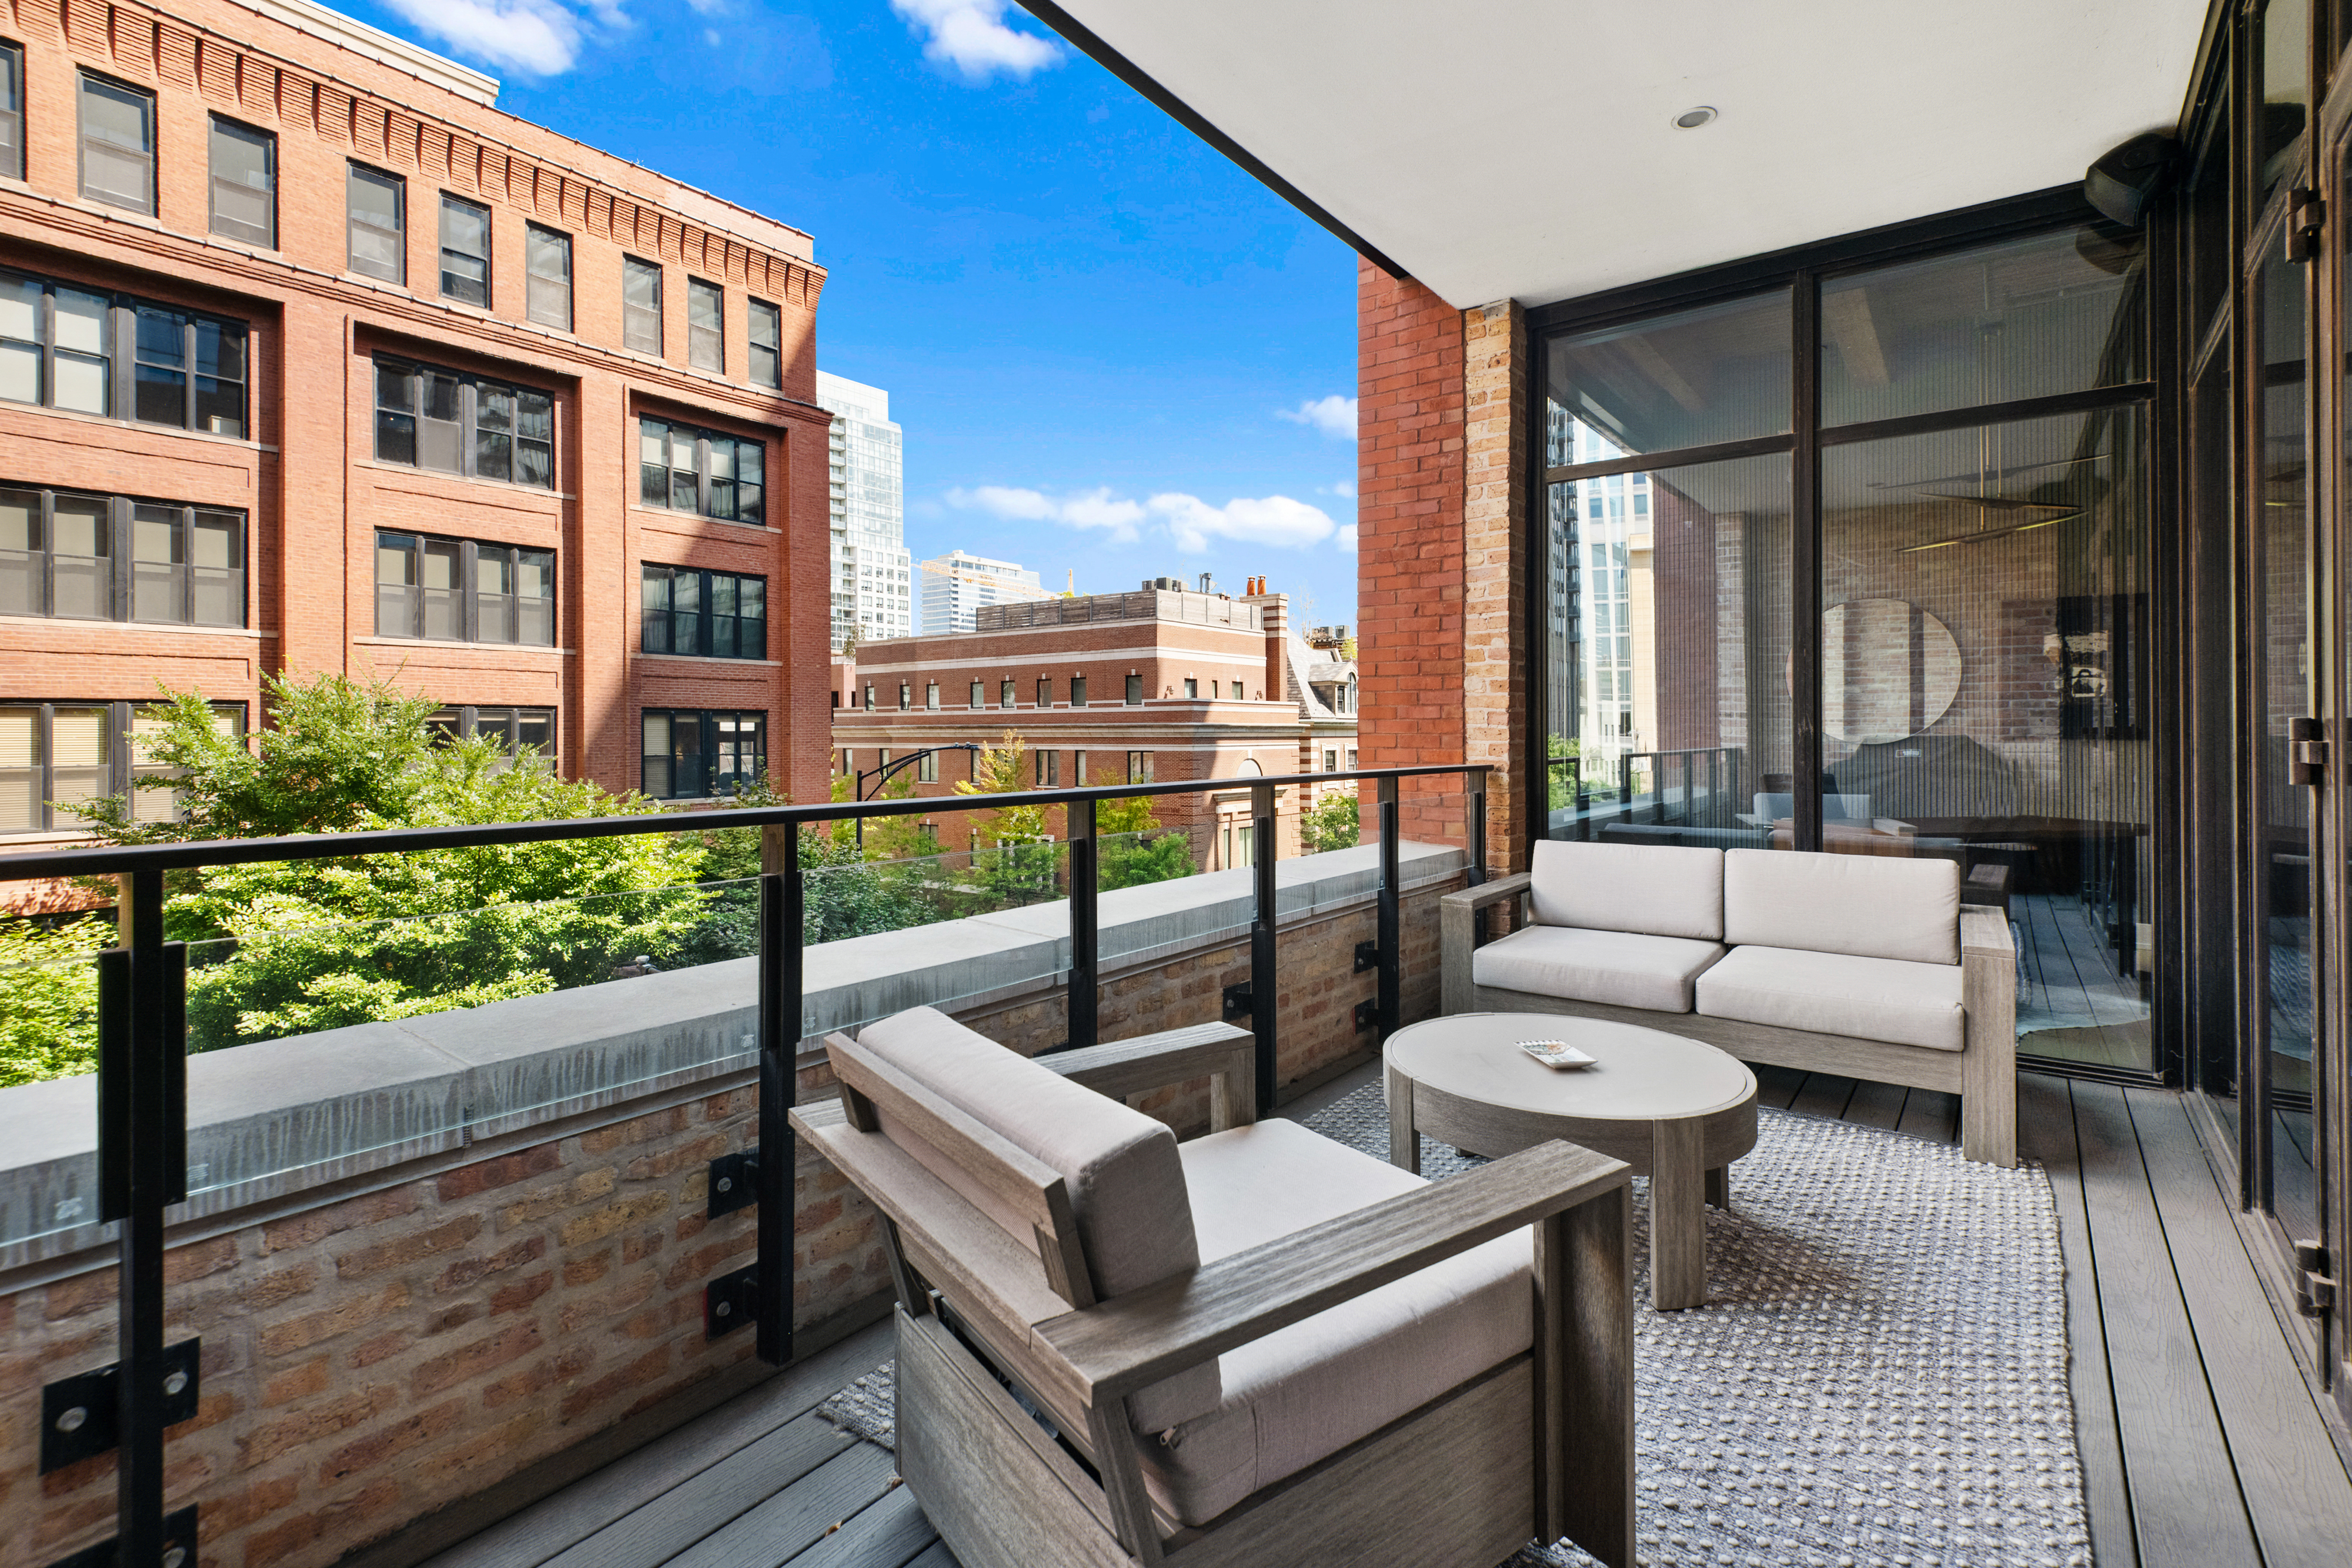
(1692, 119)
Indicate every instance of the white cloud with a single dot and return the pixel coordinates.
(1348, 539)
(971, 36)
(540, 36)
(1335, 415)
(1345, 490)
(1273, 520)
(1096, 508)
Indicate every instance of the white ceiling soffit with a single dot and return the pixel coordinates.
(1526, 149)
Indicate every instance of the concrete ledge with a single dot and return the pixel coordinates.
(279, 1116)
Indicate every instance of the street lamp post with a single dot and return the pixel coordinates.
(882, 775)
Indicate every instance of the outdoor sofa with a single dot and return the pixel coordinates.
(1258, 1347)
(1866, 965)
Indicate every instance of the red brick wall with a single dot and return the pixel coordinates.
(1409, 510)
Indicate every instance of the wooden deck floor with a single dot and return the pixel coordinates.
(2202, 1446)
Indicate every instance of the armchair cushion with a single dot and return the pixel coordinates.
(1126, 1184)
(1616, 969)
(1654, 890)
(1303, 1393)
(1868, 905)
(1838, 993)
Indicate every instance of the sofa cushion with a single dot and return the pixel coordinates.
(1838, 993)
(1303, 1393)
(1867, 905)
(1126, 1183)
(1656, 889)
(1617, 969)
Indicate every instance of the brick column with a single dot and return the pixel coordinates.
(1496, 688)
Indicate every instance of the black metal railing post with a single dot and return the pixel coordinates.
(142, 1159)
(1263, 982)
(1473, 823)
(1085, 927)
(1390, 932)
(782, 909)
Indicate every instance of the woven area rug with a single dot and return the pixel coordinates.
(1879, 1377)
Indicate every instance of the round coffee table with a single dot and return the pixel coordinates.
(1676, 1110)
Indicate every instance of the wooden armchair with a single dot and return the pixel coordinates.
(1260, 1348)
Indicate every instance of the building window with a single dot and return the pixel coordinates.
(905, 696)
(931, 695)
(1191, 687)
(118, 144)
(465, 251)
(927, 768)
(452, 422)
(1078, 768)
(767, 345)
(58, 346)
(1134, 690)
(1237, 691)
(693, 754)
(869, 696)
(376, 206)
(547, 285)
(641, 310)
(1330, 762)
(1077, 691)
(689, 470)
(11, 112)
(978, 694)
(1351, 759)
(706, 614)
(1248, 846)
(461, 591)
(1139, 768)
(53, 755)
(1045, 691)
(110, 557)
(1048, 764)
(244, 182)
(525, 735)
(706, 337)
(1004, 695)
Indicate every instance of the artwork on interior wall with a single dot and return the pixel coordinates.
(1889, 670)
(2095, 650)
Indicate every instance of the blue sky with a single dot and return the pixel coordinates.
(1113, 353)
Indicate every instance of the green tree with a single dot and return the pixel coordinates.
(1017, 857)
(1332, 824)
(49, 999)
(1133, 850)
(1562, 791)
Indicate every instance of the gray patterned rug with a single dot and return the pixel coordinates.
(1878, 1377)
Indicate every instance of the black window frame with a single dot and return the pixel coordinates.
(767, 351)
(1045, 691)
(12, 110)
(1139, 768)
(1134, 689)
(1047, 762)
(979, 694)
(538, 241)
(214, 179)
(463, 721)
(357, 174)
(119, 584)
(85, 80)
(1077, 691)
(701, 622)
(476, 442)
(464, 206)
(708, 722)
(707, 485)
(1007, 694)
(931, 696)
(1192, 687)
(467, 592)
(121, 763)
(124, 346)
(636, 316)
(905, 695)
(706, 344)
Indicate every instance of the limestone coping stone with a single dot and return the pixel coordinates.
(278, 1116)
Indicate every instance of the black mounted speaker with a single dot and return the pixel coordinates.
(2124, 179)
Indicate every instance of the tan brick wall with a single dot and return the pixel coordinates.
(1495, 569)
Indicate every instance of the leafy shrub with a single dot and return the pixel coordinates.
(49, 999)
(1332, 824)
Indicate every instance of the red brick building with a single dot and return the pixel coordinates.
(1163, 684)
(310, 359)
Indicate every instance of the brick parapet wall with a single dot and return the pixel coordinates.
(381, 1347)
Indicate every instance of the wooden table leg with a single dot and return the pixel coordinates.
(1405, 1142)
(1718, 1188)
(1677, 1217)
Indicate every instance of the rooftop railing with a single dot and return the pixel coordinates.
(144, 1036)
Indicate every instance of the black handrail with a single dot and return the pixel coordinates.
(143, 1034)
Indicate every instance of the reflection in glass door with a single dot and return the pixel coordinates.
(2279, 590)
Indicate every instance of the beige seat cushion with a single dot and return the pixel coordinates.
(1657, 890)
(1837, 993)
(1303, 1393)
(1126, 1183)
(1874, 906)
(1617, 969)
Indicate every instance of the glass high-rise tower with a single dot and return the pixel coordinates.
(873, 572)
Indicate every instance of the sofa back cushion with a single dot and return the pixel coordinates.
(1873, 906)
(1654, 890)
